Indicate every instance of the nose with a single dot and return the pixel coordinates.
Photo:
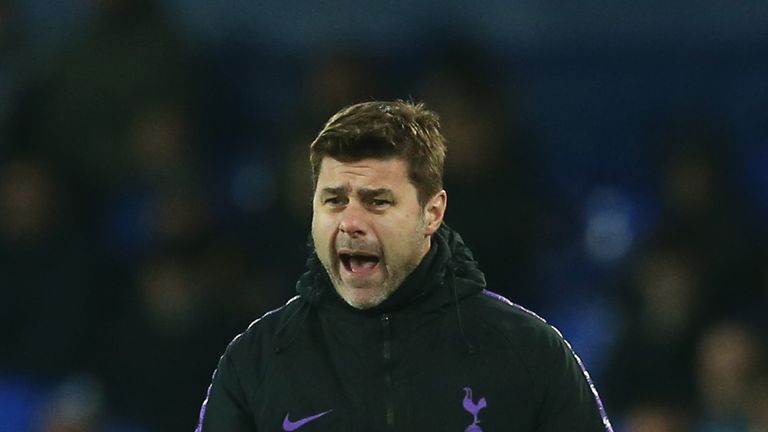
(353, 221)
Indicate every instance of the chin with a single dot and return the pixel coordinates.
(365, 301)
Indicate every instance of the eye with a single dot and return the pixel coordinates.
(380, 202)
(334, 200)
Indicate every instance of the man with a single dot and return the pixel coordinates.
(393, 329)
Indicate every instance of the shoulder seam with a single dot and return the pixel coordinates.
(259, 319)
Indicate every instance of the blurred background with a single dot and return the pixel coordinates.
(608, 164)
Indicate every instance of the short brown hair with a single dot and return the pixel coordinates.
(385, 130)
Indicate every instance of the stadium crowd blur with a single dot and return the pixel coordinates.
(155, 199)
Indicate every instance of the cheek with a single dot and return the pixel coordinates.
(322, 232)
(399, 236)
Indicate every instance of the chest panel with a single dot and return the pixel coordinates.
(432, 384)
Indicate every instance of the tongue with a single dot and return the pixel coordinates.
(362, 264)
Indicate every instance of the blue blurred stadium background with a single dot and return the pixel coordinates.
(608, 163)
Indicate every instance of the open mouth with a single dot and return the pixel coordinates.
(360, 263)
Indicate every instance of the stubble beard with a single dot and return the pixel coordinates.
(393, 277)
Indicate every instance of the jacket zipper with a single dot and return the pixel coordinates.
(386, 351)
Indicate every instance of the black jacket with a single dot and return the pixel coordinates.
(440, 354)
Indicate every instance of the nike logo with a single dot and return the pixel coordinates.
(289, 425)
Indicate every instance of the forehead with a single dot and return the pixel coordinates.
(391, 173)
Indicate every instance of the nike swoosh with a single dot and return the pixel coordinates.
(289, 426)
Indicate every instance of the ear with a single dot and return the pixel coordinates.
(434, 212)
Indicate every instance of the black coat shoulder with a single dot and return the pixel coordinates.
(516, 323)
(230, 402)
(262, 335)
(561, 383)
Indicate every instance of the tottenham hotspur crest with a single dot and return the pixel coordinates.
(473, 408)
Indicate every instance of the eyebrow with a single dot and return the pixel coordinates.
(363, 192)
(369, 193)
(338, 190)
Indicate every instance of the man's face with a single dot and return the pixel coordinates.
(368, 227)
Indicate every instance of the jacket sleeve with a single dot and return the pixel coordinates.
(570, 401)
(225, 407)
